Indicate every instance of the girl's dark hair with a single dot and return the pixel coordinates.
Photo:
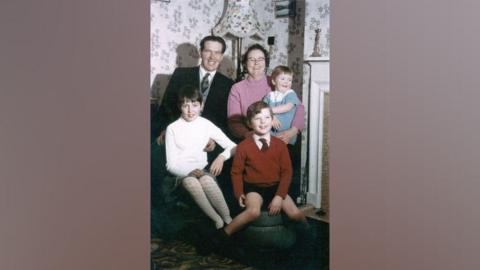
(189, 93)
(255, 47)
(256, 108)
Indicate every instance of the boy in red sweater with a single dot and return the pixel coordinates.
(261, 173)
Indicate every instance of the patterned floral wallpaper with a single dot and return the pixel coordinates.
(317, 17)
(178, 26)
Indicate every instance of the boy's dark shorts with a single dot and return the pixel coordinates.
(267, 193)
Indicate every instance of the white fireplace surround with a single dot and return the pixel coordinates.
(319, 84)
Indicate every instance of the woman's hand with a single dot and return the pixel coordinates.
(275, 123)
(241, 200)
(287, 135)
(275, 206)
(217, 165)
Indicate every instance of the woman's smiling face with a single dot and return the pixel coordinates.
(256, 63)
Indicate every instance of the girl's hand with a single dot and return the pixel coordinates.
(275, 123)
(241, 200)
(217, 165)
(197, 173)
(275, 206)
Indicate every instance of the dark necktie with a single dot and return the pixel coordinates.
(204, 85)
(264, 144)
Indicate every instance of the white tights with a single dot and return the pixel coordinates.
(206, 193)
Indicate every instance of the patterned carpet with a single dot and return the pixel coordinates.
(182, 250)
(177, 254)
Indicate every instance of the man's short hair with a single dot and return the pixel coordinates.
(213, 38)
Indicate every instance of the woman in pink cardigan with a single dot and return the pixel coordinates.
(253, 88)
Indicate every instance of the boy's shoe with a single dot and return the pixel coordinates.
(200, 239)
(220, 240)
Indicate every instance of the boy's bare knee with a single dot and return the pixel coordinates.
(253, 213)
(297, 215)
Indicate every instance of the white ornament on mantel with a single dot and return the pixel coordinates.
(316, 47)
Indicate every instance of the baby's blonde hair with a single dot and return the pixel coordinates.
(278, 70)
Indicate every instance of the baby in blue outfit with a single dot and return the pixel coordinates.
(283, 100)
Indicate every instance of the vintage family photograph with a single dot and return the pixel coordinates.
(239, 104)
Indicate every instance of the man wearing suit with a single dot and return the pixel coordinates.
(215, 88)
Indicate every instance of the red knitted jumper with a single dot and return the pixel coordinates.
(261, 168)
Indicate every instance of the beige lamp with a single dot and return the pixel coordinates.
(239, 21)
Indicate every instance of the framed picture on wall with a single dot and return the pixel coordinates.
(285, 8)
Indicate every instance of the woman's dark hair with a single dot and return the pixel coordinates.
(213, 38)
(255, 47)
(256, 108)
(188, 93)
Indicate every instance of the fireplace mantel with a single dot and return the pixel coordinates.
(318, 85)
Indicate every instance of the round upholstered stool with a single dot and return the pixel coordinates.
(269, 232)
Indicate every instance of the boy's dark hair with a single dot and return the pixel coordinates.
(188, 93)
(278, 70)
(255, 47)
(213, 38)
(256, 108)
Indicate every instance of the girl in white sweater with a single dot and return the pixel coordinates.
(185, 141)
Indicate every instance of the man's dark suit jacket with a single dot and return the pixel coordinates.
(214, 109)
